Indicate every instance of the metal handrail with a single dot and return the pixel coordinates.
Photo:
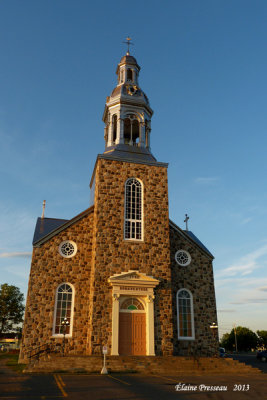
(42, 349)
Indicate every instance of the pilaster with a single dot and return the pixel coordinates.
(150, 335)
(115, 325)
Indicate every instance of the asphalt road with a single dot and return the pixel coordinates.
(130, 387)
(15, 386)
(250, 359)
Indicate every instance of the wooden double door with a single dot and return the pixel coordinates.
(132, 333)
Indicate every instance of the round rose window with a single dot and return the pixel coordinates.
(182, 258)
(68, 248)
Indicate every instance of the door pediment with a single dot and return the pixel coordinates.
(133, 278)
(139, 285)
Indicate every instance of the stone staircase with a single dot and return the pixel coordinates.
(170, 365)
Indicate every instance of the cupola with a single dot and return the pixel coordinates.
(127, 114)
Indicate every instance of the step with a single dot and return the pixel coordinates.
(148, 365)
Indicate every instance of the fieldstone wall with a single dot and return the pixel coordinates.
(112, 254)
(103, 252)
(198, 278)
(48, 270)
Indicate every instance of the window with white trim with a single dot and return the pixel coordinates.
(67, 249)
(133, 210)
(63, 309)
(182, 258)
(185, 315)
(132, 304)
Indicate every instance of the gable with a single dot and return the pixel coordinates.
(189, 236)
(46, 228)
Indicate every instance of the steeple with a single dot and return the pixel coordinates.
(127, 114)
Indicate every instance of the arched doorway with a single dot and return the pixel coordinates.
(132, 327)
(139, 287)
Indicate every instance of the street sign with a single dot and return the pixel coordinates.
(104, 351)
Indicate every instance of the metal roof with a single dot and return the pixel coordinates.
(49, 227)
(127, 59)
(123, 152)
(46, 225)
(189, 233)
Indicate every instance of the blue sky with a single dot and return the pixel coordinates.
(203, 67)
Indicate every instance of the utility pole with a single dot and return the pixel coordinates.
(235, 339)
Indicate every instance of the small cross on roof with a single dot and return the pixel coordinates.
(186, 221)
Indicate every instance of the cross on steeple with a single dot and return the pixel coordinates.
(43, 209)
(186, 221)
(128, 42)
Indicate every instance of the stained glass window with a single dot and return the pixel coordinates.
(132, 304)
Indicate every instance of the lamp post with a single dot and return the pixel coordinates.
(214, 328)
(65, 323)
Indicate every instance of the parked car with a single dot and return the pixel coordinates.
(222, 352)
(262, 355)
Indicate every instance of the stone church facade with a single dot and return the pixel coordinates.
(121, 273)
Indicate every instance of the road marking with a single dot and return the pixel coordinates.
(82, 374)
(60, 386)
(61, 380)
(31, 397)
(163, 377)
(117, 379)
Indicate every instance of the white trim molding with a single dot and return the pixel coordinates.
(188, 316)
(64, 313)
(67, 248)
(134, 219)
(182, 257)
(133, 284)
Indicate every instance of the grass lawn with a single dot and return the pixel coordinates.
(11, 361)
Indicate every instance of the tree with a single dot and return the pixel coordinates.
(262, 338)
(224, 341)
(11, 307)
(246, 339)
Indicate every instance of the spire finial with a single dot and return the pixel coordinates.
(129, 43)
(186, 221)
(43, 209)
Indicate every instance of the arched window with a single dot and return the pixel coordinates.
(129, 75)
(63, 309)
(132, 304)
(114, 128)
(133, 210)
(185, 315)
(131, 130)
(146, 133)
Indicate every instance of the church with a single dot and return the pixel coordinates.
(121, 273)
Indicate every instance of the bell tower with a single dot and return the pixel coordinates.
(127, 114)
(131, 245)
